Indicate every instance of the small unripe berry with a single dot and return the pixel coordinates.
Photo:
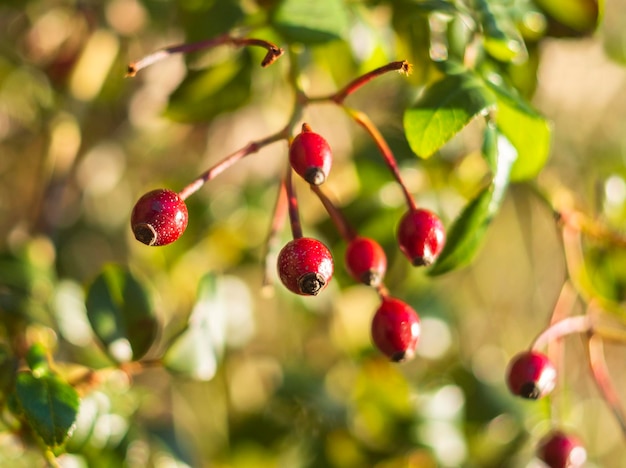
(531, 375)
(159, 217)
(396, 329)
(366, 261)
(310, 156)
(305, 266)
(421, 236)
(559, 450)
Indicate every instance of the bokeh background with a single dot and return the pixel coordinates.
(295, 381)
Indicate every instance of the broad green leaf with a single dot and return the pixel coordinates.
(527, 131)
(311, 21)
(203, 19)
(443, 110)
(120, 313)
(204, 94)
(37, 359)
(193, 353)
(221, 316)
(49, 404)
(466, 234)
(581, 16)
(501, 39)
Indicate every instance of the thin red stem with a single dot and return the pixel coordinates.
(567, 326)
(278, 219)
(346, 231)
(273, 51)
(602, 378)
(228, 161)
(401, 66)
(294, 215)
(363, 120)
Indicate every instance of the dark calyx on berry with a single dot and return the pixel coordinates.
(310, 156)
(560, 450)
(366, 261)
(531, 375)
(159, 217)
(421, 236)
(396, 329)
(311, 283)
(305, 266)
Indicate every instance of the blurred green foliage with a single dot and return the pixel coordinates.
(116, 354)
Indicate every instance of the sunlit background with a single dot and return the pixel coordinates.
(295, 381)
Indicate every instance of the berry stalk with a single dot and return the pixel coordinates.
(364, 121)
(601, 376)
(278, 219)
(228, 161)
(401, 66)
(273, 51)
(292, 202)
(346, 231)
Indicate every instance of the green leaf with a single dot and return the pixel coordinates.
(37, 359)
(49, 404)
(443, 110)
(120, 313)
(466, 234)
(527, 131)
(193, 352)
(204, 94)
(501, 39)
(581, 16)
(222, 316)
(311, 21)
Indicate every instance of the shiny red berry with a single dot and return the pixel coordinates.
(366, 261)
(421, 236)
(159, 217)
(310, 156)
(305, 266)
(531, 375)
(560, 450)
(396, 329)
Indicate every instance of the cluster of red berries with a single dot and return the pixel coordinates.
(532, 375)
(305, 265)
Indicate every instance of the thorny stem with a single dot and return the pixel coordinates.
(346, 231)
(363, 120)
(601, 376)
(401, 66)
(228, 161)
(292, 199)
(278, 219)
(273, 51)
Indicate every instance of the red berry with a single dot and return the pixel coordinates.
(421, 236)
(366, 261)
(310, 156)
(396, 329)
(159, 217)
(305, 266)
(531, 375)
(559, 450)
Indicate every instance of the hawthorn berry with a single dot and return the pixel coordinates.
(159, 217)
(305, 266)
(366, 261)
(396, 329)
(310, 156)
(560, 450)
(421, 236)
(531, 375)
